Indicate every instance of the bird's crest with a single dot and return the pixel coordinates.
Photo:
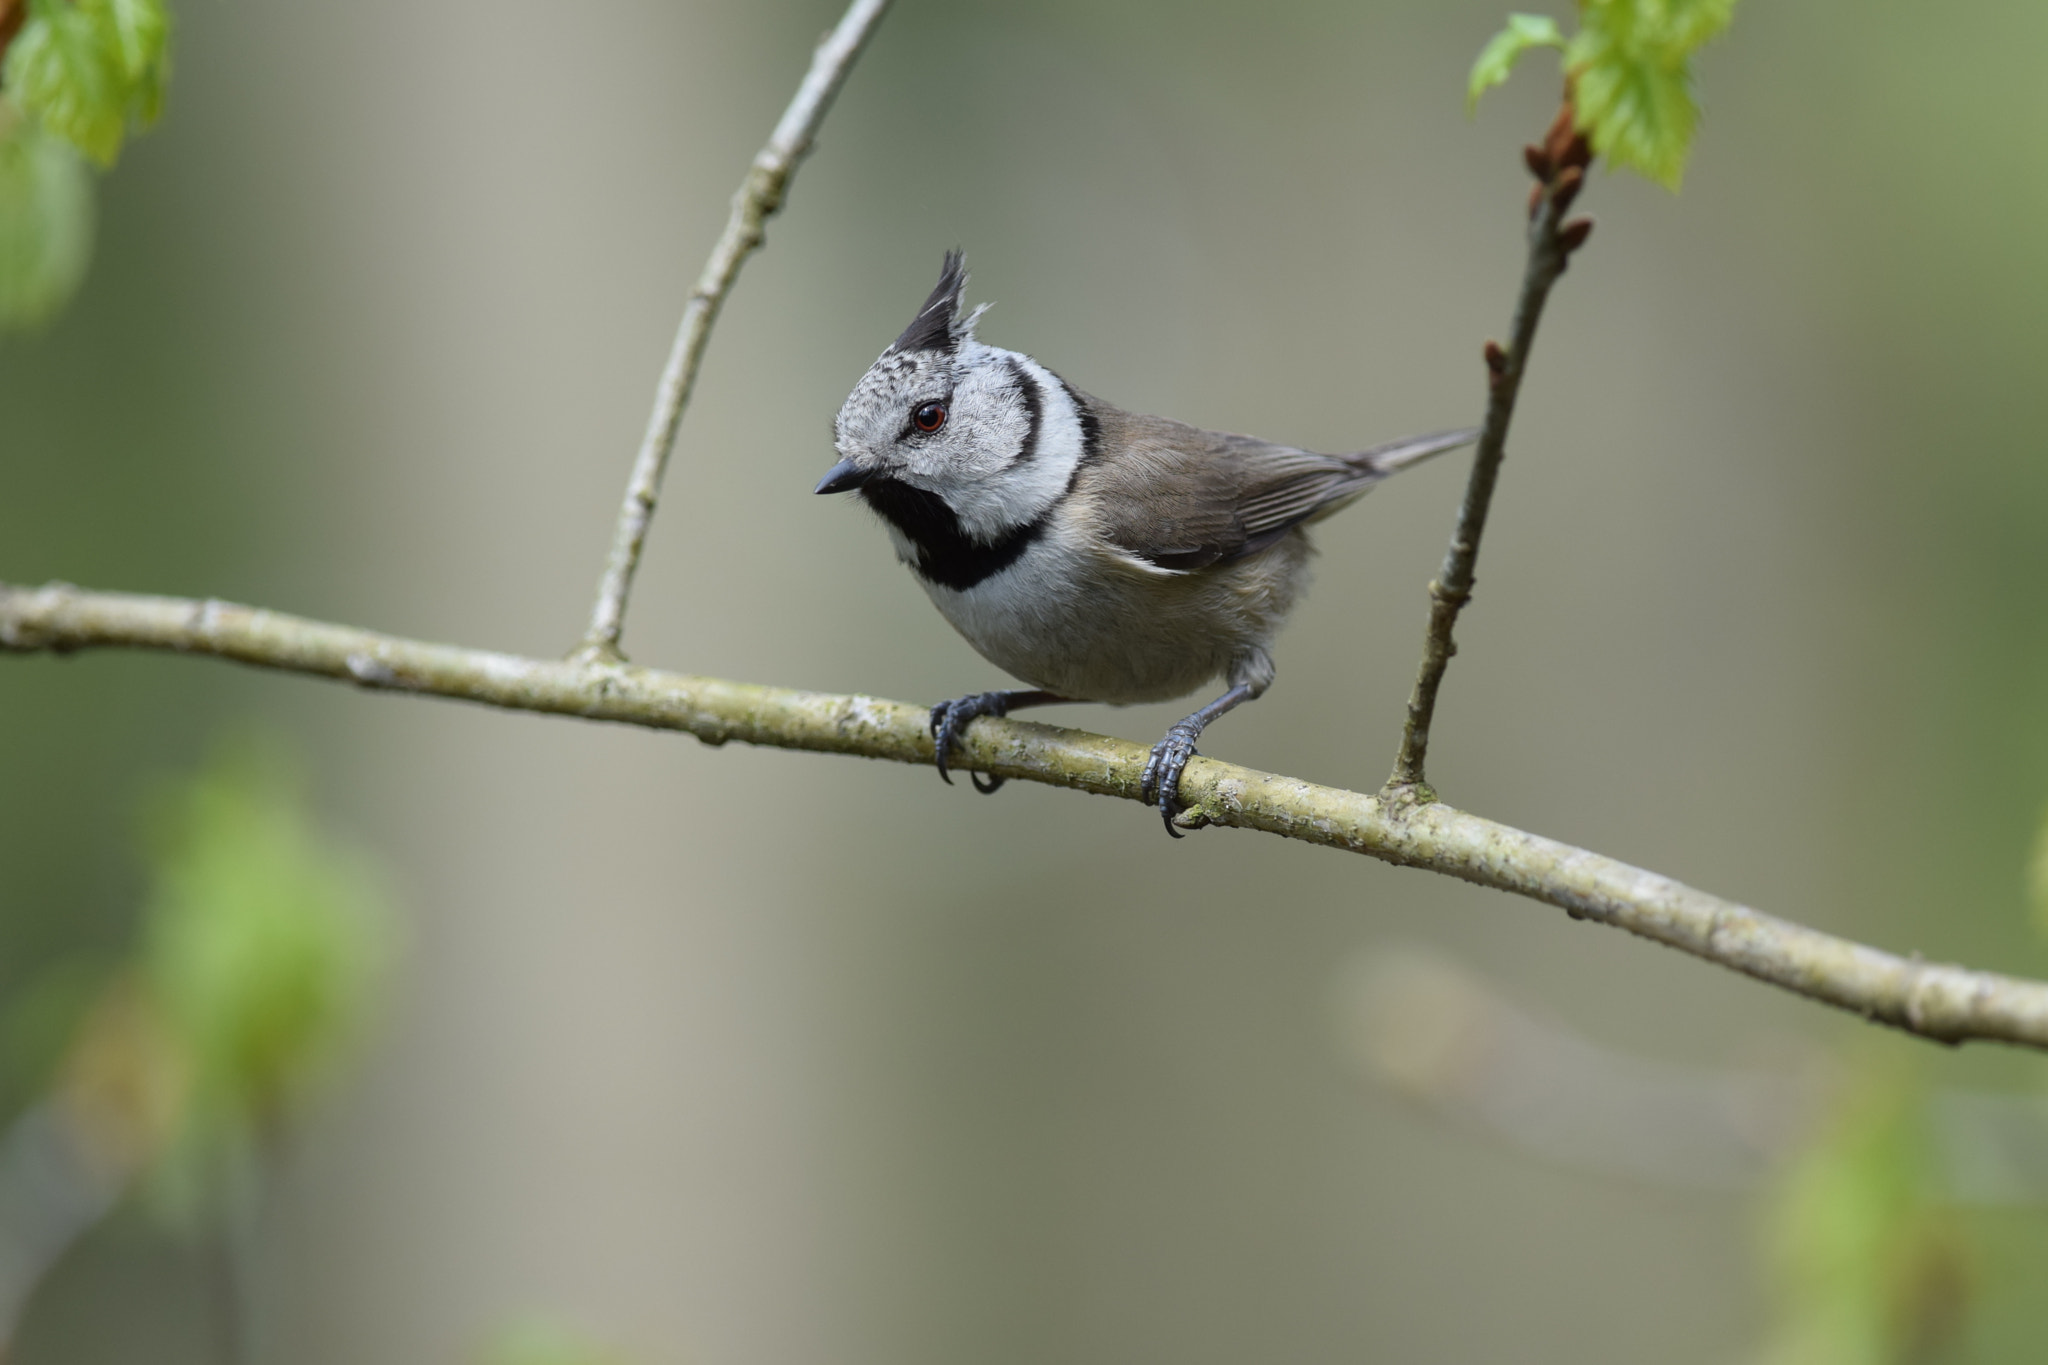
(938, 325)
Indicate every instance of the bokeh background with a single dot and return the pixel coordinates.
(740, 1056)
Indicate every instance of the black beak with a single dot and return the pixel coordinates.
(843, 477)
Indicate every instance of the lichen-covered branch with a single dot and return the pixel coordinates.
(1946, 1003)
(1559, 166)
(759, 196)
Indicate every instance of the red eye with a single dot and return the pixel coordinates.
(930, 417)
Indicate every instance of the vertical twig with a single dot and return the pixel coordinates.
(759, 196)
(1559, 166)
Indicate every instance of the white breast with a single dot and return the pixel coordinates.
(1073, 618)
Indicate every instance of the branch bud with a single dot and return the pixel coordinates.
(1564, 144)
(1566, 187)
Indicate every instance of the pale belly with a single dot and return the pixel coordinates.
(1074, 621)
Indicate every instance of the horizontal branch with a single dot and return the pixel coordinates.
(1945, 1003)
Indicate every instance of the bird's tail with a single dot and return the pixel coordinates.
(1395, 456)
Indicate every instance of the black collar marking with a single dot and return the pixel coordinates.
(1034, 410)
(1091, 425)
(946, 554)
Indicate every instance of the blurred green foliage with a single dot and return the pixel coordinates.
(545, 1341)
(45, 220)
(174, 1070)
(1868, 1265)
(262, 944)
(263, 941)
(1523, 33)
(77, 76)
(2037, 878)
(1630, 65)
(86, 69)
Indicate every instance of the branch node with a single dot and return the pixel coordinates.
(595, 654)
(1404, 798)
(1454, 598)
(370, 671)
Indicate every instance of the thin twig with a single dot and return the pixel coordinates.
(759, 196)
(1945, 1003)
(1559, 167)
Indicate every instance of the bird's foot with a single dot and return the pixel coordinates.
(1159, 784)
(949, 718)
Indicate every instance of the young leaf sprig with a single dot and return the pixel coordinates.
(1630, 71)
(76, 77)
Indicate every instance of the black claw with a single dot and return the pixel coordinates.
(1160, 782)
(988, 788)
(942, 736)
(950, 717)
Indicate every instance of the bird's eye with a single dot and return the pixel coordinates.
(930, 417)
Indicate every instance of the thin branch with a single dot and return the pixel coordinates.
(1945, 1003)
(759, 196)
(1560, 167)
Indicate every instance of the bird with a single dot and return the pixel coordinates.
(1097, 554)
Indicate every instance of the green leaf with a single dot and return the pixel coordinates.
(61, 71)
(45, 222)
(1631, 67)
(86, 70)
(1505, 48)
(141, 31)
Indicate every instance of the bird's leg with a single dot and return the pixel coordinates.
(1161, 779)
(950, 717)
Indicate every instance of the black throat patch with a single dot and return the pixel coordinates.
(946, 554)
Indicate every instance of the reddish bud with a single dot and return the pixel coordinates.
(1573, 235)
(1558, 139)
(1532, 156)
(1567, 186)
(13, 14)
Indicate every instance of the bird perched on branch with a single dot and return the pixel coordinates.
(1095, 553)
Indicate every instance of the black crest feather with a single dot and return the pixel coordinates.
(932, 329)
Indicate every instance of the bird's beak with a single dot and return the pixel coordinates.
(843, 477)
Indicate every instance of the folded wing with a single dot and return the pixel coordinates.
(1184, 498)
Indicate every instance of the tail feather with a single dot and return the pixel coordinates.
(1395, 456)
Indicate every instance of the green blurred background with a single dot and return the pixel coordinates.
(741, 1056)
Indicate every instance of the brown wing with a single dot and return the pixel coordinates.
(1185, 498)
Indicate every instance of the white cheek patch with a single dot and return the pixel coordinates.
(1026, 465)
